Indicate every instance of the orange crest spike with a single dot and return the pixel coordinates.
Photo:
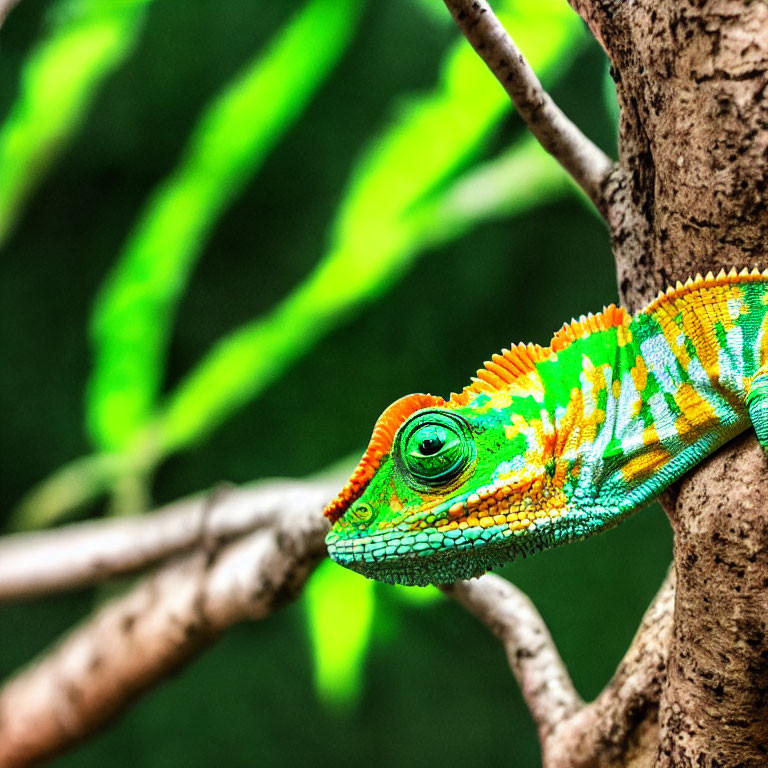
(610, 317)
(501, 371)
(666, 299)
(381, 442)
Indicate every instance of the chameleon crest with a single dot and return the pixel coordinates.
(552, 444)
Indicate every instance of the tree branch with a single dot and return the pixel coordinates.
(253, 550)
(533, 657)
(620, 727)
(6, 6)
(136, 640)
(588, 165)
(598, 15)
(91, 552)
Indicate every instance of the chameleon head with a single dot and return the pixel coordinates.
(439, 496)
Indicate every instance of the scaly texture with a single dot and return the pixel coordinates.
(550, 445)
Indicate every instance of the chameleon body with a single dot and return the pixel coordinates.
(552, 444)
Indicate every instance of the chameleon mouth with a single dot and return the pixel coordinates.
(418, 559)
(462, 537)
(402, 555)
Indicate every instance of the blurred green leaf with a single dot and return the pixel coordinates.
(522, 177)
(340, 608)
(60, 76)
(246, 361)
(378, 229)
(134, 313)
(435, 12)
(418, 595)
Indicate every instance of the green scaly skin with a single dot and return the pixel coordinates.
(551, 445)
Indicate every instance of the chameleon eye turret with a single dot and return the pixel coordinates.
(360, 513)
(433, 448)
(553, 444)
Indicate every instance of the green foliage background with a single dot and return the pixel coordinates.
(233, 232)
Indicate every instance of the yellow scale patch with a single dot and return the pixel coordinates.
(764, 334)
(596, 378)
(706, 302)
(575, 429)
(650, 461)
(639, 374)
(516, 505)
(697, 417)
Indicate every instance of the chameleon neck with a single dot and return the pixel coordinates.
(665, 391)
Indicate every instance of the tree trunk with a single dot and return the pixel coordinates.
(688, 196)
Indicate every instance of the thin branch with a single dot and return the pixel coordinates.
(137, 640)
(533, 657)
(621, 724)
(585, 162)
(88, 553)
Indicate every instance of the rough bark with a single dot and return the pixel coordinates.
(690, 78)
(688, 196)
(714, 710)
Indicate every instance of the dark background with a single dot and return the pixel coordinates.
(437, 687)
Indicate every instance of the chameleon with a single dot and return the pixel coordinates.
(549, 445)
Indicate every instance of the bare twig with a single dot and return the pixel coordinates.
(585, 162)
(621, 724)
(533, 657)
(92, 552)
(135, 641)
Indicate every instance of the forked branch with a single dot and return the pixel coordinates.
(88, 553)
(531, 652)
(620, 727)
(135, 641)
(617, 728)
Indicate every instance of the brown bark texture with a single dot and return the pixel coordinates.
(688, 195)
(135, 641)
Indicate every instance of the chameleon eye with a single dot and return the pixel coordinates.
(360, 513)
(434, 446)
